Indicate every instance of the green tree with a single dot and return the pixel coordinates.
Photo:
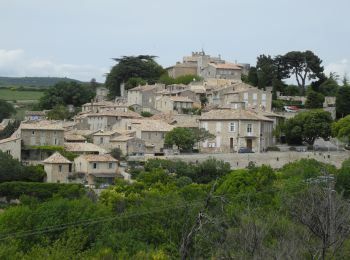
(303, 65)
(67, 93)
(134, 82)
(341, 129)
(58, 112)
(329, 87)
(253, 77)
(307, 126)
(342, 102)
(6, 109)
(314, 100)
(9, 129)
(182, 137)
(142, 67)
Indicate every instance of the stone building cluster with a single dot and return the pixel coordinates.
(80, 150)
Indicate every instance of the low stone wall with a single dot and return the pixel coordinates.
(274, 159)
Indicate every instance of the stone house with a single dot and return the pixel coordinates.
(109, 120)
(103, 138)
(152, 132)
(57, 168)
(97, 169)
(39, 133)
(222, 71)
(34, 115)
(12, 146)
(181, 69)
(236, 128)
(143, 97)
(235, 95)
(102, 106)
(129, 145)
(73, 138)
(173, 103)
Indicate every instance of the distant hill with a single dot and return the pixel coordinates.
(31, 81)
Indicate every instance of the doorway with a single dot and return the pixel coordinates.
(231, 143)
(249, 143)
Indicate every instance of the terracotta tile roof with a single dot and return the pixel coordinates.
(42, 125)
(57, 158)
(143, 88)
(180, 99)
(229, 114)
(83, 147)
(228, 66)
(128, 114)
(9, 139)
(74, 137)
(100, 103)
(98, 158)
(81, 132)
(114, 131)
(122, 138)
(149, 125)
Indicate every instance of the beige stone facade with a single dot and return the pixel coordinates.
(152, 132)
(234, 129)
(42, 133)
(57, 168)
(97, 168)
(173, 103)
(12, 146)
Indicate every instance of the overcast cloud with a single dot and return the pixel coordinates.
(78, 38)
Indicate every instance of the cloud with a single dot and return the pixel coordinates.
(341, 68)
(15, 63)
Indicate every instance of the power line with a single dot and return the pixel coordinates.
(89, 222)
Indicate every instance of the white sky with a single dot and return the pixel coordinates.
(78, 38)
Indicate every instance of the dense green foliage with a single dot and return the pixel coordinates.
(184, 79)
(41, 191)
(13, 170)
(343, 101)
(252, 213)
(67, 93)
(58, 112)
(314, 100)
(307, 126)
(137, 69)
(6, 109)
(32, 81)
(341, 129)
(9, 129)
(185, 138)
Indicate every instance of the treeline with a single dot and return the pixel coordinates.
(32, 81)
(191, 211)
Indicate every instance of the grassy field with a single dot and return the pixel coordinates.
(7, 94)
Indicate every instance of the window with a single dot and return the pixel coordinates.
(249, 128)
(8, 151)
(33, 133)
(232, 126)
(245, 97)
(101, 140)
(55, 141)
(110, 165)
(263, 96)
(94, 165)
(205, 125)
(60, 168)
(255, 96)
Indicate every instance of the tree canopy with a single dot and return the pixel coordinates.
(314, 100)
(342, 102)
(143, 68)
(67, 93)
(6, 109)
(307, 126)
(341, 129)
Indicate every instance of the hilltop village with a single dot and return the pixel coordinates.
(224, 114)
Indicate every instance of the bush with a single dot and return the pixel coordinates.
(41, 191)
(146, 114)
(273, 149)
